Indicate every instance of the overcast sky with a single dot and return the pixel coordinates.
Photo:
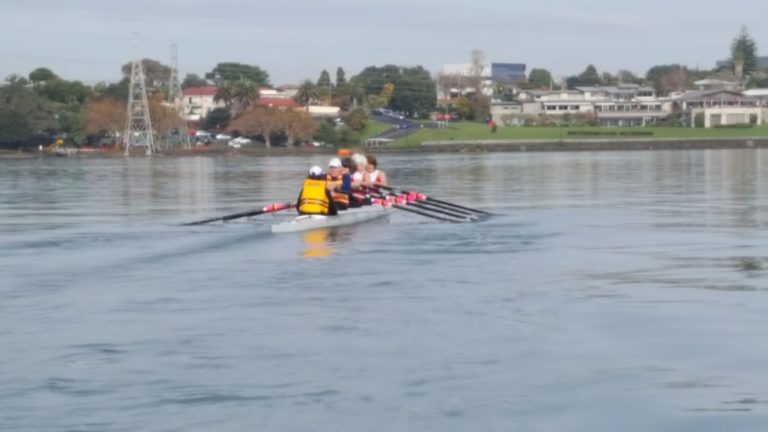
(89, 40)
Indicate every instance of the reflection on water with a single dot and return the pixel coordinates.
(614, 290)
(316, 244)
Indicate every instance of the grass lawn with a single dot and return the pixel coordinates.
(374, 128)
(469, 131)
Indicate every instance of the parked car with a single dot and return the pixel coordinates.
(223, 137)
(238, 142)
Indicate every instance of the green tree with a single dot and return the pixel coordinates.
(415, 92)
(327, 133)
(193, 80)
(588, 78)
(244, 93)
(325, 79)
(38, 111)
(41, 74)
(306, 93)
(14, 128)
(357, 120)
(539, 78)
(16, 79)
(217, 118)
(62, 91)
(744, 54)
(156, 74)
(236, 71)
(463, 108)
(341, 77)
(225, 93)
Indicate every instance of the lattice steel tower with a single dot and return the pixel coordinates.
(176, 98)
(138, 126)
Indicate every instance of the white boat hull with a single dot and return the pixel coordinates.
(344, 217)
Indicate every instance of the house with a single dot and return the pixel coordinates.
(720, 108)
(621, 105)
(197, 102)
(276, 101)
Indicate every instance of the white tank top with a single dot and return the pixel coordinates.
(374, 176)
(357, 176)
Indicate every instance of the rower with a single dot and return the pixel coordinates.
(335, 180)
(360, 177)
(377, 176)
(315, 198)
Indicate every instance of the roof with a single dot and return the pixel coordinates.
(200, 91)
(276, 101)
(756, 92)
(724, 95)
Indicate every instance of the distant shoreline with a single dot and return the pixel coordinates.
(452, 146)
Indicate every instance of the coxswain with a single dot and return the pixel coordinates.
(315, 198)
(335, 178)
(377, 176)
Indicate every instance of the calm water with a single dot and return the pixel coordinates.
(614, 291)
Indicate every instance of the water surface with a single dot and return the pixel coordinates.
(614, 290)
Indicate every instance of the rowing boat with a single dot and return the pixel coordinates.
(345, 217)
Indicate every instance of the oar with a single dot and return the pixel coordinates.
(421, 196)
(402, 203)
(266, 209)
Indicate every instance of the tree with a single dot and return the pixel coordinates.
(539, 79)
(258, 120)
(588, 78)
(104, 115)
(16, 79)
(346, 95)
(236, 71)
(327, 133)
(38, 112)
(414, 93)
(325, 79)
(244, 93)
(306, 93)
(193, 80)
(341, 77)
(357, 120)
(297, 126)
(41, 74)
(225, 93)
(14, 128)
(217, 118)
(666, 78)
(463, 108)
(156, 74)
(743, 54)
(627, 77)
(62, 91)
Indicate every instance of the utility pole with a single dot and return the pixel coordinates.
(138, 125)
(176, 99)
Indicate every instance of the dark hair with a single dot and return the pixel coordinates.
(347, 162)
(372, 160)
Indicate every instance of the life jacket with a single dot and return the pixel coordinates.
(338, 195)
(314, 198)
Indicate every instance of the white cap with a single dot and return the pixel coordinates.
(315, 171)
(335, 163)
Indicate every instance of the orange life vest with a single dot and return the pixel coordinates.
(338, 196)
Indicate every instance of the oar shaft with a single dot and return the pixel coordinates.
(434, 200)
(266, 209)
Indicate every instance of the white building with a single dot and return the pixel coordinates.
(198, 102)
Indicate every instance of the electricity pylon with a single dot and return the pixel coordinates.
(138, 126)
(176, 98)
